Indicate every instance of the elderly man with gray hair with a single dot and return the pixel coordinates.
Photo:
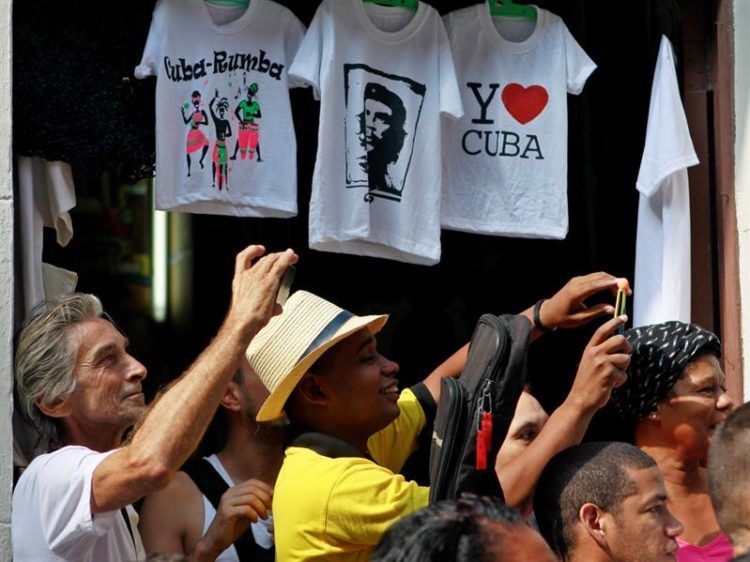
(82, 389)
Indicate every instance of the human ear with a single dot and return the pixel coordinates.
(594, 522)
(310, 388)
(232, 399)
(58, 408)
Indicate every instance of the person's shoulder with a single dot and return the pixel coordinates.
(180, 488)
(316, 467)
(178, 499)
(172, 516)
(53, 472)
(69, 456)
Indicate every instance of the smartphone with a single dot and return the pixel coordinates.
(285, 285)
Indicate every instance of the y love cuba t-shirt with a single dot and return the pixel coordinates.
(225, 140)
(385, 77)
(505, 161)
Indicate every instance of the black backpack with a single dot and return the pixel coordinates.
(462, 455)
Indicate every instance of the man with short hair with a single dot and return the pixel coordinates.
(470, 529)
(77, 381)
(605, 502)
(177, 518)
(339, 488)
(729, 477)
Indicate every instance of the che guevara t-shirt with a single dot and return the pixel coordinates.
(505, 161)
(385, 77)
(225, 139)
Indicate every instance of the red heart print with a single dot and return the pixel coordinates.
(524, 104)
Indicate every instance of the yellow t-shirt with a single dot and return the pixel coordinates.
(337, 507)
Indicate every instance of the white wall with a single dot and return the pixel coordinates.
(6, 274)
(742, 168)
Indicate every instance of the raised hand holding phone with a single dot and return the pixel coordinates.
(603, 366)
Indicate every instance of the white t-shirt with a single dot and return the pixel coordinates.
(46, 194)
(662, 256)
(506, 160)
(384, 76)
(225, 139)
(52, 518)
(261, 530)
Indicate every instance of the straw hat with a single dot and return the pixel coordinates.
(288, 346)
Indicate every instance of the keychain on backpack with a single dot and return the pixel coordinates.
(484, 433)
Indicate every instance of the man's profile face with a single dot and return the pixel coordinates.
(361, 384)
(108, 393)
(642, 529)
(377, 121)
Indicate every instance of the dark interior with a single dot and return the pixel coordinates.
(433, 309)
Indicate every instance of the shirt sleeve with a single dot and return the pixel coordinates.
(367, 499)
(306, 68)
(64, 490)
(391, 447)
(294, 37)
(152, 52)
(450, 95)
(578, 64)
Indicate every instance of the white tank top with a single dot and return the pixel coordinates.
(261, 530)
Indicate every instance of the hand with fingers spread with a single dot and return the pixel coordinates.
(254, 286)
(567, 308)
(603, 366)
(240, 506)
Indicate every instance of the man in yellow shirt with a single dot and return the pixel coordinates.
(339, 489)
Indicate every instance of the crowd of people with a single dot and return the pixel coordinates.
(317, 432)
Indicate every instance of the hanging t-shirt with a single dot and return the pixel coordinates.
(384, 76)
(506, 160)
(46, 195)
(662, 255)
(225, 139)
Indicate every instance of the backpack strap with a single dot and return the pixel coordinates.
(212, 485)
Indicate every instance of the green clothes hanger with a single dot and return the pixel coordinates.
(509, 9)
(408, 4)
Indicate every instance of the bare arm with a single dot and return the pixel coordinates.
(566, 309)
(240, 506)
(175, 423)
(171, 519)
(602, 368)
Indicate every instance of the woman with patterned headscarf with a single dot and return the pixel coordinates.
(674, 397)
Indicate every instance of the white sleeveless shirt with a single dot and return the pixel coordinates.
(261, 530)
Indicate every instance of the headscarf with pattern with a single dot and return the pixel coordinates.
(660, 354)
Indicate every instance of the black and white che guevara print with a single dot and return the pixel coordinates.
(382, 114)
